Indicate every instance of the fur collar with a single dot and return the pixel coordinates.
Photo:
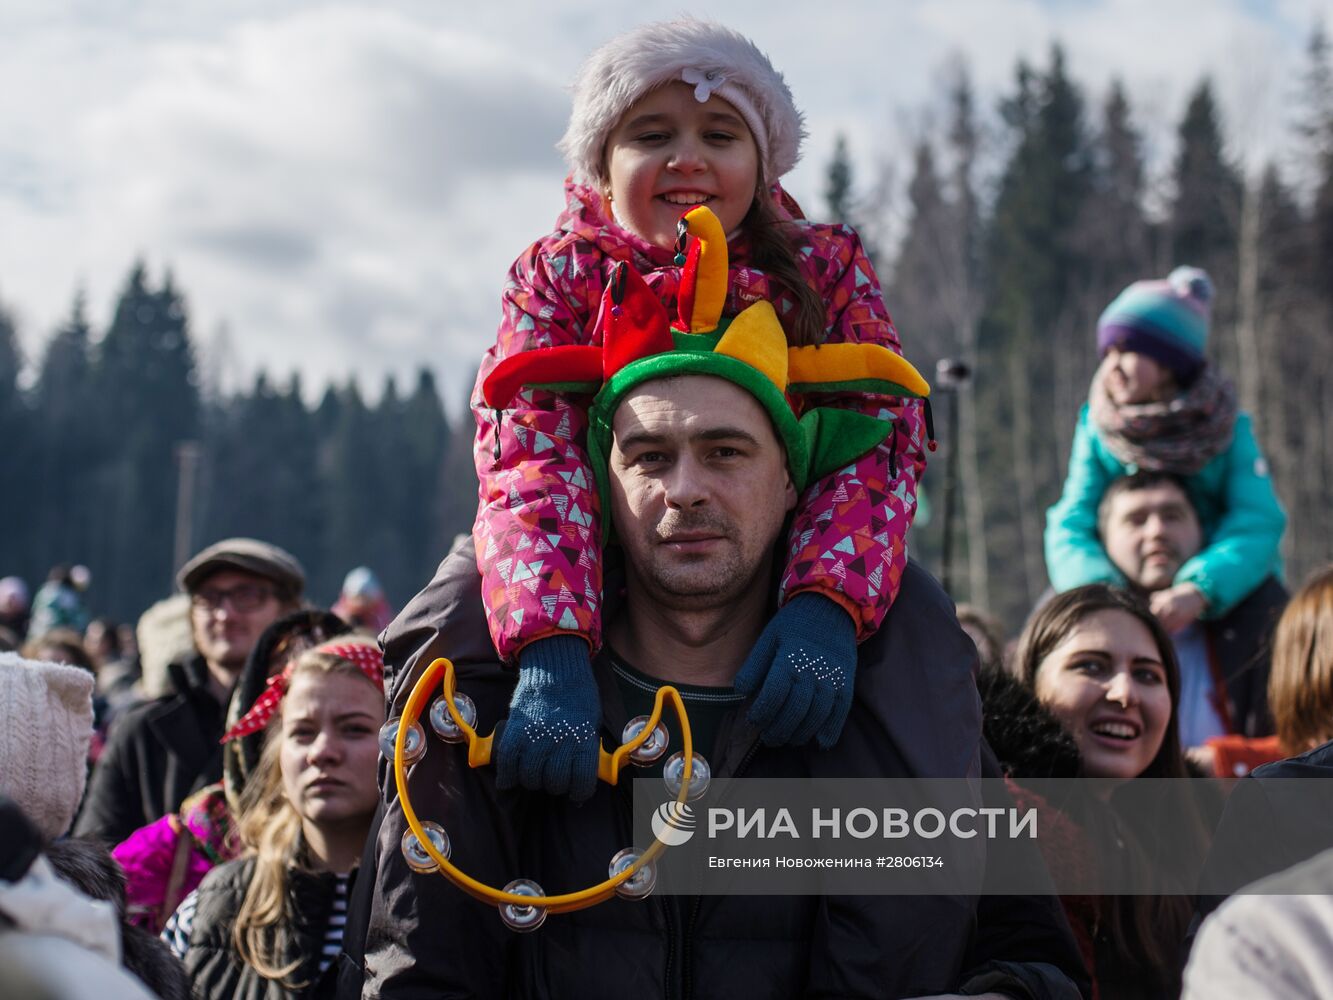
(1027, 739)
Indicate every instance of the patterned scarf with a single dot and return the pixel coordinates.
(207, 817)
(1179, 436)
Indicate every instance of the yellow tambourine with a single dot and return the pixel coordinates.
(523, 905)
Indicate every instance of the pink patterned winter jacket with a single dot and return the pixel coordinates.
(538, 530)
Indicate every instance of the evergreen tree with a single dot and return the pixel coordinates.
(967, 301)
(922, 292)
(1041, 197)
(1206, 210)
(1284, 315)
(460, 474)
(921, 275)
(67, 441)
(237, 456)
(395, 535)
(326, 417)
(342, 485)
(299, 487)
(1115, 235)
(434, 513)
(259, 471)
(1294, 374)
(1034, 270)
(145, 403)
(1113, 241)
(1205, 217)
(1314, 123)
(1283, 236)
(1315, 131)
(838, 183)
(11, 360)
(937, 297)
(349, 468)
(1313, 497)
(22, 497)
(964, 143)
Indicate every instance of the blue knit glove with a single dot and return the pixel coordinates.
(805, 660)
(550, 739)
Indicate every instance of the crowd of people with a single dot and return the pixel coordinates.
(698, 451)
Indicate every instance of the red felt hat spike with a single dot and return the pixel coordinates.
(689, 280)
(704, 277)
(541, 366)
(634, 321)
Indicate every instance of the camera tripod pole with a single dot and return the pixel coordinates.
(951, 375)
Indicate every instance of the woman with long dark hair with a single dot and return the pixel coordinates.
(1096, 697)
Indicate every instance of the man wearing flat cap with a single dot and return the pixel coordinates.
(161, 752)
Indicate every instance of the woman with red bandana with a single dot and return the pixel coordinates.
(270, 923)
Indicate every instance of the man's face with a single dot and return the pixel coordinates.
(1150, 533)
(699, 489)
(228, 611)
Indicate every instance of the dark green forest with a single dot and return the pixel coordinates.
(115, 428)
(1020, 223)
(1008, 270)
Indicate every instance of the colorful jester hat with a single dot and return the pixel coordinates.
(640, 345)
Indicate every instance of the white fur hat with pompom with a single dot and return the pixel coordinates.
(46, 724)
(714, 58)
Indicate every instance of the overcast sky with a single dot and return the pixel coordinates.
(340, 187)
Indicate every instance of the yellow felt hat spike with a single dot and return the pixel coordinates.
(756, 337)
(703, 282)
(854, 367)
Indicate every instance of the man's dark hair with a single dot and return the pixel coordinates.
(1141, 480)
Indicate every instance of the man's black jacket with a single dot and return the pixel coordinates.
(1239, 645)
(1277, 817)
(158, 754)
(916, 712)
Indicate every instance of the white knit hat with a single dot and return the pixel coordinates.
(716, 59)
(46, 724)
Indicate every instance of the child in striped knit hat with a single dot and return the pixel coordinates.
(1156, 404)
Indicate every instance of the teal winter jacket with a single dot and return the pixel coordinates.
(1239, 513)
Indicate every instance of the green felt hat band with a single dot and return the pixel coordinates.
(824, 440)
(602, 414)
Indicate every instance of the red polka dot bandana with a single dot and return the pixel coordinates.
(368, 659)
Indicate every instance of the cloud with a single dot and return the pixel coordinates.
(297, 174)
(344, 186)
(268, 247)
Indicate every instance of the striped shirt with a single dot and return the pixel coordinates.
(333, 933)
(177, 931)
